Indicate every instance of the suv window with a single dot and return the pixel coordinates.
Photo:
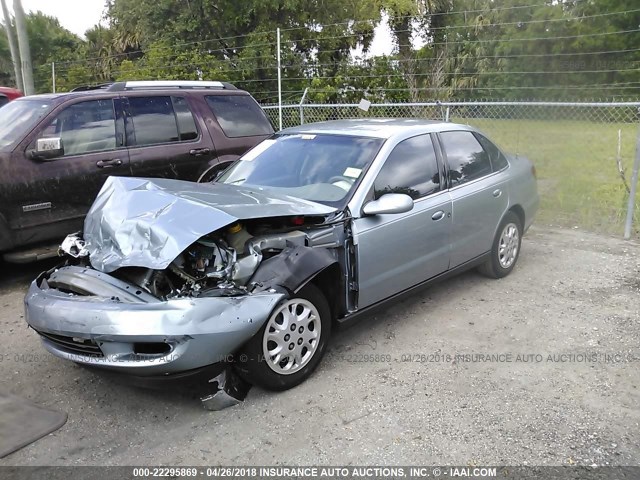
(84, 127)
(411, 168)
(239, 115)
(153, 120)
(186, 123)
(466, 157)
(498, 160)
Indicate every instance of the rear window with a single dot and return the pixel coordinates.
(239, 115)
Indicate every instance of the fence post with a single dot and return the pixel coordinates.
(279, 83)
(53, 77)
(632, 194)
(304, 96)
(446, 118)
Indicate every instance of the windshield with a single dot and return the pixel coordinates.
(317, 167)
(19, 117)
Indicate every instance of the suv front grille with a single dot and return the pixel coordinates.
(68, 344)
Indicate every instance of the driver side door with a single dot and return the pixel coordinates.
(397, 251)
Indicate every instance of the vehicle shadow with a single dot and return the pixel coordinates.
(18, 274)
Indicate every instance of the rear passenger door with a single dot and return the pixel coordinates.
(165, 139)
(478, 194)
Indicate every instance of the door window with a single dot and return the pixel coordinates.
(186, 123)
(84, 127)
(466, 158)
(154, 121)
(411, 168)
(239, 115)
(498, 160)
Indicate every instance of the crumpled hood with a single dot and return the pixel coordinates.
(148, 222)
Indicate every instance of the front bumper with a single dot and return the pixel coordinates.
(144, 339)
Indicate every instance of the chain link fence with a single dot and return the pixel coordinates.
(583, 152)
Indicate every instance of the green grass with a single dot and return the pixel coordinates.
(578, 177)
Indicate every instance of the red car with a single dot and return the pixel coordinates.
(7, 94)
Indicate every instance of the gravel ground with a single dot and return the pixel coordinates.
(539, 368)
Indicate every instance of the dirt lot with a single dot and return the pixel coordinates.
(561, 385)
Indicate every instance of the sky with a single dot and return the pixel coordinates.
(75, 15)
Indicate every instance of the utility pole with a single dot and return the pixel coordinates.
(23, 46)
(15, 56)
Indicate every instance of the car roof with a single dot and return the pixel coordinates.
(10, 92)
(377, 127)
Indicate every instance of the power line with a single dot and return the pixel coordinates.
(476, 27)
(437, 14)
(346, 35)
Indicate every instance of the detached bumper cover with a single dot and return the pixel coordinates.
(195, 331)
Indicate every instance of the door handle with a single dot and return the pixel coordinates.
(116, 162)
(196, 152)
(497, 193)
(439, 215)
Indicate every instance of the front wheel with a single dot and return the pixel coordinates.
(290, 345)
(505, 249)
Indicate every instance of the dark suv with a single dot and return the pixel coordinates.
(57, 150)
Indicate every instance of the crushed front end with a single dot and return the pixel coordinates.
(174, 285)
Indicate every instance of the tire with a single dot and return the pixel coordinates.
(257, 365)
(505, 249)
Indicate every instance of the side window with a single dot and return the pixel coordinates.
(411, 168)
(498, 160)
(466, 157)
(186, 123)
(84, 127)
(153, 120)
(239, 115)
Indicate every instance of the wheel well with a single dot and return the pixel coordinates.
(517, 209)
(213, 169)
(330, 282)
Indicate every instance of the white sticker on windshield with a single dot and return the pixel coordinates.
(352, 172)
(307, 136)
(257, 150)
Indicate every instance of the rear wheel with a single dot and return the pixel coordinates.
(505, 249)
(291, 344)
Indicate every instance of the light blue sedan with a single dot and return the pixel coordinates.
(315, 226)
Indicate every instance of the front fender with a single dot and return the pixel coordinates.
(6, 237)
(293, 268)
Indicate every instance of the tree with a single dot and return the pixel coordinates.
(50, 42)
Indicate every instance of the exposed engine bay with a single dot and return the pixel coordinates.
(218, 264)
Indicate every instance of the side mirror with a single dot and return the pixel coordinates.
(47, 149)
(389, 203)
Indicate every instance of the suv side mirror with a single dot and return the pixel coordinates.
(389, 203)
(47, 149)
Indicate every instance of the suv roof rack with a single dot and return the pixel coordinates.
(87, 88)
(188, 84)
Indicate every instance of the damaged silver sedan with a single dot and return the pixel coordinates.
(313, 227)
